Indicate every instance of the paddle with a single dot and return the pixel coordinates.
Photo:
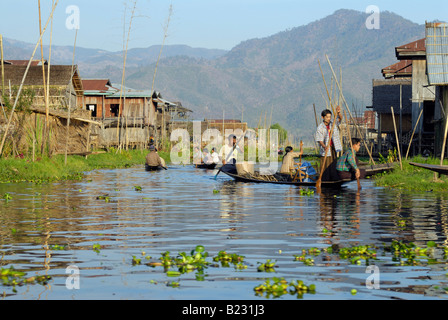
(351, 146)
(230, 153)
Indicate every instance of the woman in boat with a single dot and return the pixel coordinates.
(348, 165)
(328, 159)
(288, 163)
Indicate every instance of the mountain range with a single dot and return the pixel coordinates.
(275, 78)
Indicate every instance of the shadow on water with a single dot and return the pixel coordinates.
(100, 223)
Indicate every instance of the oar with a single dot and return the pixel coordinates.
(230, 153)
(351, 146)
(319, 181)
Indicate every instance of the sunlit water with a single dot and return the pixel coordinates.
(178, 209)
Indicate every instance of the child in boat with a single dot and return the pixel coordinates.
(347, 165)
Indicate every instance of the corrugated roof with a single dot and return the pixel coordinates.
(437, 53)
(399, 69)
(96, 84)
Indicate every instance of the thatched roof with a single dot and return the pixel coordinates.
(60, 75)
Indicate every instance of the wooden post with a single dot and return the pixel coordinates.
(396, 136)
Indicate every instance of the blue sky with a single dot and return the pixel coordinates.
(220, 24)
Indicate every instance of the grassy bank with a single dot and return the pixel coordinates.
(413, 178)
(54, 169)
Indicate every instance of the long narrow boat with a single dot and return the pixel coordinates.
(308, 182)
(442, 169)
(370, 171)
(211, 166)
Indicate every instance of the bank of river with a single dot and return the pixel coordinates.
(118, 226)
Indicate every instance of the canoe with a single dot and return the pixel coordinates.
(442, 169)
(370, 171)
(148, 168)
(309, 183)
(205, 166)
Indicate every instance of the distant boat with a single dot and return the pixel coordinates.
(211, 166)
(442, 169)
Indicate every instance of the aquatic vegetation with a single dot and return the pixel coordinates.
(137, 188)
(12, 278)
(356, 254)
(226, 258)
(268, 266)
(58, 247)
(306, 192)
(7, 197)
(277, 287)
(96, 247)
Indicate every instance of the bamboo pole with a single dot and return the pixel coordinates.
(23, 80)
(442, 155)
(165, 35)
(123, 76)
(348, 109)
(396, 136)
(412, 136)
(70, 99)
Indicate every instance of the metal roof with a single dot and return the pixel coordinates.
(437, 53)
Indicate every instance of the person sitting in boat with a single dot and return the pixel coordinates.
(348, 165)
(207, 158)
(229, 154)
(197, 155)
(288, 163)
(153, 160)
(214, 156)
(328, 159)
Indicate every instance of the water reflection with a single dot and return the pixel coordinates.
(176, 210)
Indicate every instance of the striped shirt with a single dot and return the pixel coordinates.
(347, 161)
(323, 134)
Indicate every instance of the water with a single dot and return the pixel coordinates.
(177, 210)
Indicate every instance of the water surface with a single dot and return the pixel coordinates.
(178, 209)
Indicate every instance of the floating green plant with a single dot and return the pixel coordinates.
(11, 277)
(137, 188)
(7, 197)
(96, 247)
(268, 266)
(306, 192)
(277, 287)
(227, 258)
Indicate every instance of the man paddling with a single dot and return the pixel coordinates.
(229, 154)
(328, 165)
(153, 160)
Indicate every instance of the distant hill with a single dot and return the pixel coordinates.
(278, 73)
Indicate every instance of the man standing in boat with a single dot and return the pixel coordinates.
(328, 159)
(229, 155)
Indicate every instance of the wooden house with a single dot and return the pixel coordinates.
(138, 114)
(405, 88)
(437, 75)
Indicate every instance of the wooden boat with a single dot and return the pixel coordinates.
(308, 182)
(311, 182)
(205, 166)
(442, 169)
(372, 170)
(149, 168)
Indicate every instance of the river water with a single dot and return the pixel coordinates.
(84, 234)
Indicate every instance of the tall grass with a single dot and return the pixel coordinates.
(54, 169)
(413, 178)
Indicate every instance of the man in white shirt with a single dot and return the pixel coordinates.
(229, 155)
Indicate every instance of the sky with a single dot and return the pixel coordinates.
(212, 24)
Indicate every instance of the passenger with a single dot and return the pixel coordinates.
(229, 154)
(197, 156)
(288, 164)
(348, 165)
(322, 137)
(153, 160)
(207, 157)
(215, 156)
